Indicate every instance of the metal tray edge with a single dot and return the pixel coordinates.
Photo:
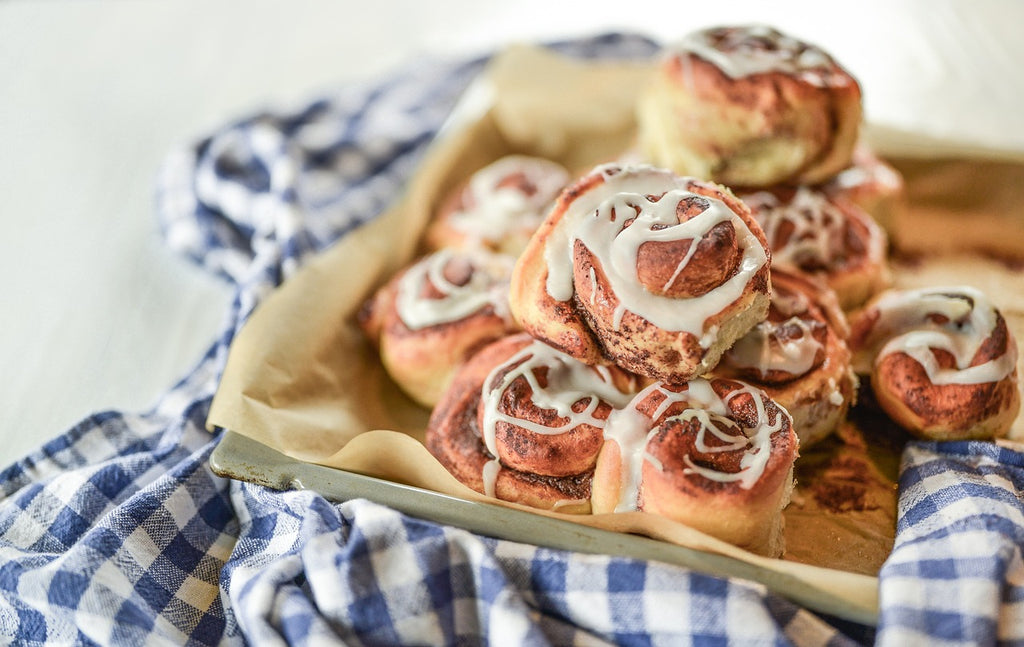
(241, 458)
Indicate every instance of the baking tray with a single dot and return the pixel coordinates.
(247, 405)
(244, 459)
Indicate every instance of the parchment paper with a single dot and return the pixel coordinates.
(301, 378)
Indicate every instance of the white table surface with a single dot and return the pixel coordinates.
(96, 313)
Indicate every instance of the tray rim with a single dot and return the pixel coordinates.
(241, 458)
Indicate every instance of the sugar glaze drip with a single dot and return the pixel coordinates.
(494, 209)
(763, 349)
(957, 320)
(597, 217)
(487, 286)
(568, 381)
(632, 431)
(818, 228)
(745, 51)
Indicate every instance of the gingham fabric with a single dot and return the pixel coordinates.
(118, 533)
(956, 572)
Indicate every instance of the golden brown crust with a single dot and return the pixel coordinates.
(551, 469)
(943, 412)
(698, 442)
(572, 451)
(742, 106)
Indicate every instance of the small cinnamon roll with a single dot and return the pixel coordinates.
(942, 362)
(799, 356)
(823, 236)
(432, 315)
(748, 106)
(716, 455)
(639, 267)
(872, 184)
(499, 206)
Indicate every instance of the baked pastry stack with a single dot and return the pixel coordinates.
(663, 336)
(643, 274)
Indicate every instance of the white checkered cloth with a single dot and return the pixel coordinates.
(117, 532)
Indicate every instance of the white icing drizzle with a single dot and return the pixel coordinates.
(744, 51)
(758, 437)
(571, 381)
(835, 397)
(632, 431)
(789, 303)
(490, 475)
(493, 211)
(905, 324)
(867, 171)
(568, 382)
(818, 227)
(762, 350)
(589, 219)
(487, 286)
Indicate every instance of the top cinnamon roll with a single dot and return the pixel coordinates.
(499, 206)
(750, 107)
(639, 267)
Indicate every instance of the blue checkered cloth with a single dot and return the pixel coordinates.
(118, 533)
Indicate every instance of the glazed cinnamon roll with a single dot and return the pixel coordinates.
(499, 206)
(824, 236)
(942, 362)
(638, 267)
(432, 315)
(872, 184)
(716, 455)
(750, 107)
(524, 422)
(799, 356)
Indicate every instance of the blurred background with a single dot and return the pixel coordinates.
(96, 313)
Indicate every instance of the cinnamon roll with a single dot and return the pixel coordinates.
(824, 236)
(872, 184)
(716, 455)
(748, 106)
(799, 356)
(432, 315)
(524, 422)
(499, 206)
(639, 267)
(942, 362)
